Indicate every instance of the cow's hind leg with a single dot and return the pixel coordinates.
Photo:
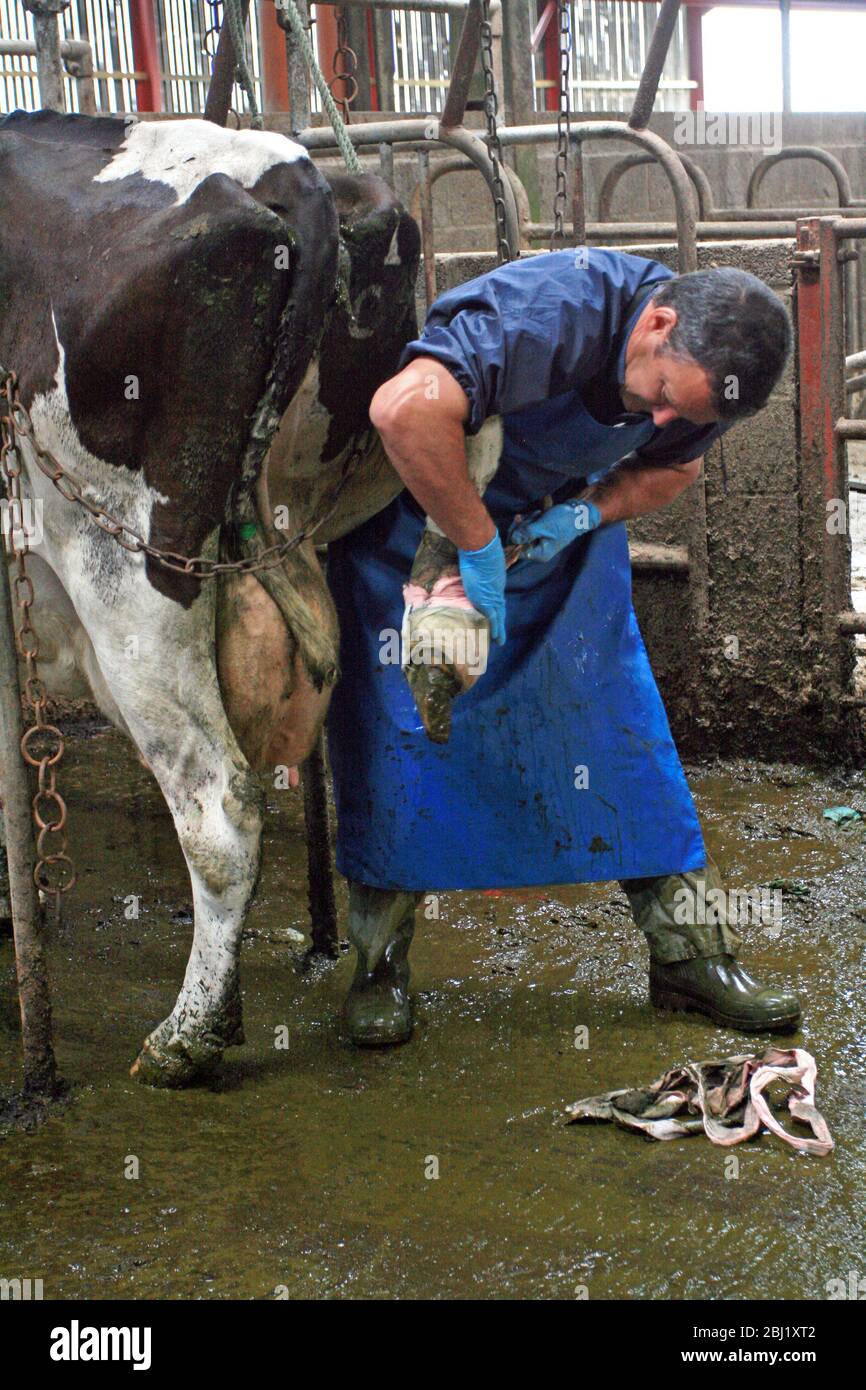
(169, 697)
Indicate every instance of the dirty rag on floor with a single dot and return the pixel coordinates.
(726, 1098)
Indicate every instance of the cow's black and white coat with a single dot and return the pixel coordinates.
(157, 280)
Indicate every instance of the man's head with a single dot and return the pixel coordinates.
(708, 346)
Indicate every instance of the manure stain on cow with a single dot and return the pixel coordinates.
(305, 1167)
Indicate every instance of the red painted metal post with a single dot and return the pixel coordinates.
(371, 62)
(326, 42)
(694, 39)
(275, 73)
(145, 55)
(552, 65)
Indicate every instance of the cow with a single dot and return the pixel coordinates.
(198, 320)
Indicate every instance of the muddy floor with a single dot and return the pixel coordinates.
(307, 1170)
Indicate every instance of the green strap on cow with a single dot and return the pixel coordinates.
(296, 24)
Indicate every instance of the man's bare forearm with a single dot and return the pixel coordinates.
(632, 492)
(419, 415)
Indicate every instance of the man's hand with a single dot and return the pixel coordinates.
(544, 534)
(483, 575)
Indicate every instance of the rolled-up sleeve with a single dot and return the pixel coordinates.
(512, 340)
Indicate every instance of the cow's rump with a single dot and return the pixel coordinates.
(176, 297)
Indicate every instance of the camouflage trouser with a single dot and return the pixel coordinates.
(681, 915)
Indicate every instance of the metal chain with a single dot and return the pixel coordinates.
(491, 111)
(289, 18)
(42, 744)
(234, 19)
(345, 64)
(563, 131)
(199, 566)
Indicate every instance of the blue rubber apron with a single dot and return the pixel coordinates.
(560, 767)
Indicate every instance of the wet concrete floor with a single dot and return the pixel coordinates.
(306, 1170)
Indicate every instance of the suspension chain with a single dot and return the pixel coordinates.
(563, 122)
(345, 65)
(491, 111)
(17, 421)
(42, 744)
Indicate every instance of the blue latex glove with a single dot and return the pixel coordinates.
(544, 534)
(483, 575)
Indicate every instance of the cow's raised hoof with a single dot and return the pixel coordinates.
(434, 689)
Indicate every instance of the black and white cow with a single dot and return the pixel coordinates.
(198, 319)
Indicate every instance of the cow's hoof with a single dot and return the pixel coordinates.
(434, 689)
(171, 1062)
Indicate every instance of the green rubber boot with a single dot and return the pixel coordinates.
(378, 1009)
(693, 950)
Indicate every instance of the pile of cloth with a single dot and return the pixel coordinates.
(726, 1099)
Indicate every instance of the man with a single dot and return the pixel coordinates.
(611, 378)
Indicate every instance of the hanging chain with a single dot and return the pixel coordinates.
(235, 23)
(18, 420)
(563, 122)
(42, 744)
(345, 64)
(494, 146)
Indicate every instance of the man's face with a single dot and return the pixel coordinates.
(658, 384)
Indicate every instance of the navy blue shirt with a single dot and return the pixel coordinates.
(537, 339)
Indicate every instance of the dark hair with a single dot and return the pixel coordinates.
(734, 327)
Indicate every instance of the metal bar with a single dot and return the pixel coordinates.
(642, 157)
(77, 57)
(386, 161)
(383, 54)
(426, 200)
(298, 77)
(857, 359)
(850, 227)
(323, 911)
(785, 7)
(40, 1075)
(855, 383)
(673, 558)
(464, 68)
(26, 48)
(275, 77)
(850, 429)
(456, 7)
(219, 93)
(48, 60)
(655, 61)
(145, 52)
(837, 169)
(519, 96)
(694, 40)
(578, 194)
(423, 131)
(825, 549)
(470, 144)
(667, 231)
